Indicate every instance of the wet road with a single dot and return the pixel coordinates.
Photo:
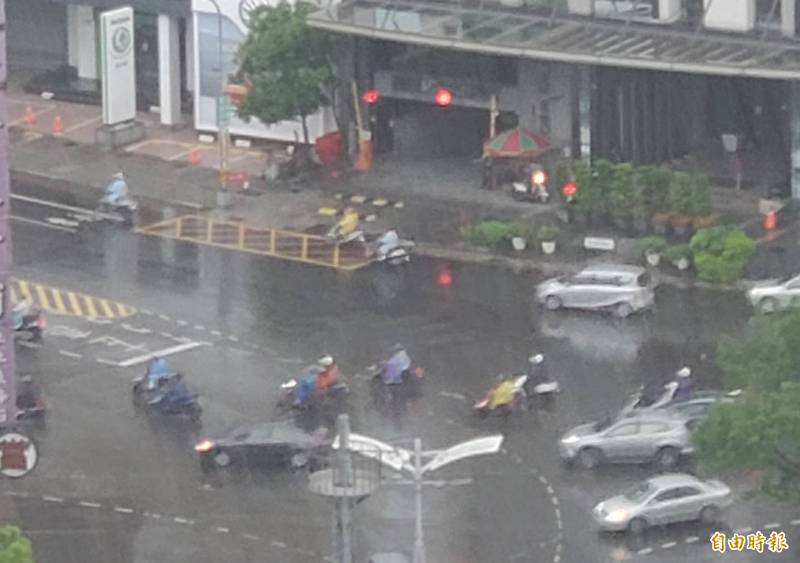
(116, 483)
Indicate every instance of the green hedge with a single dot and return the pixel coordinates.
(491, 233)
(721, 253)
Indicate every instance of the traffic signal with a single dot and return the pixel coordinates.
(444, 277)
(569, 190)
(371, 96)
(443, 97)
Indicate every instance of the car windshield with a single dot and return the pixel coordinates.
(639, 492)
(601, 425)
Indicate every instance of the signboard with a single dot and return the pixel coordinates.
(479, 446)
(388, 455)
(119, 70)
(18, 455)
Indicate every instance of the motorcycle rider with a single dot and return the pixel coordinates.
(21, 308)
(328, 374)
(157, 370)
(348, 223)
(397, 366)
(175, 396)
(684, 388)
(307, 386)
(388, 241)
(26, 393)
(502, 394)
(538, 370)
(117, 190)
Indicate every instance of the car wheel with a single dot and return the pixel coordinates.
(637, 526)
(709, 515)
(299, 460)
(768, 305)
(222, 459)
(552, 303)
(623, 310)
(668, 457)
(589, 458)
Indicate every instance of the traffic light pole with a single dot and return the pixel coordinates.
(8, 396)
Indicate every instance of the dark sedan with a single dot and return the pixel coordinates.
(262, 444)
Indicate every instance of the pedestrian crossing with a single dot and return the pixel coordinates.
(65, 302)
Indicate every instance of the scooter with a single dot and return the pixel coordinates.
(519, 400)
(142, 394)
(335, 236)
(192, 410)
(122, 206)
(391, 249)
(32, 326)
(407, 388)
(640, 402)
(533, 192)
(35, 411)
(336, 395)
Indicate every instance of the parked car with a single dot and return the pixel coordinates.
(262, 444)
(655, 436)
(693, 409)
(665, 499)
(620, 288)
(771, 295)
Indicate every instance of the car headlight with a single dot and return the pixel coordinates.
(204, 446)
(617, 516)
(570, 440)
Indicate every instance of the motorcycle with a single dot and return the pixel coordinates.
(391, 249)
(407, 388)
(335, 396)
(534, 187)
(141, 393)
(338, 238)
(519, 400)
(32, 326)
(192, 410)
(116, 201)
(643, 401)
(35, 411)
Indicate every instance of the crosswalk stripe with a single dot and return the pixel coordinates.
(44, 302)
(59, 302)
(75, 304)
(25, 289)
(109, 312)
(124, 310)
(90, 308)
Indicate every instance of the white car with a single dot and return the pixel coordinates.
(620, 288)
(665, 499)
(771, 295)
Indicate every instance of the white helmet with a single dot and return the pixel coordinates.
(326, 361)
(685, 371)
(536, 359)
(119, 175)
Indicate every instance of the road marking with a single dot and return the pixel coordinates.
(90, 308)
(82, 124)
(692, 539)
(744, 530)
(107, 362)
(645, 551)
(107, 309)
(42, 224)
(63, 302)
(52, 499)
(17, 494)
(130, 328)
(75, 303)
(277, 543)
(180, 520)
(182, 323)
(222, 530)
(161, 353)
(233, 339)
(554, 500)
(772, 526)
(147, 312)
(55, 205)
(88, 504)
(123, 510)
(27, 344)
(166, 334)
(795, 522)
(668, 545)
(216, 333)
(163, 317)
(250, 537)
(199, 327)
(458, 396)
(69, 354)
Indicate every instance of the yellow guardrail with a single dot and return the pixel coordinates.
(276, 243)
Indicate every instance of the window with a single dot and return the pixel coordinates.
(653, 428)
(623, 430)
(685, 492)
(669, 494)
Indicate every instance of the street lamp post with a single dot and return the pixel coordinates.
(222, 199)
(400, 460)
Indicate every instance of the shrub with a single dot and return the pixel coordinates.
(585, 201)
(681, 193)
(654, 184)
(721, 253)
(623, 195)
(527, 231)
(548, 233)
(677, 252)
(602, 185)
(490, 233)
(701, 196)
(652, 245)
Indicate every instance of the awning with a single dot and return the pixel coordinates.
(516, 33)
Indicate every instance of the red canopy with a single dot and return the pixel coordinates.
(517, 143)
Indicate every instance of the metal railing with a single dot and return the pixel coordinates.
(277, 243)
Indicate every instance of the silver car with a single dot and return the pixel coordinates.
(771, 295)
(665, 499)
(620, 288)
(655, 436)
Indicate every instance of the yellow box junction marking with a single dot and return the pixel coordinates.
(63, 302)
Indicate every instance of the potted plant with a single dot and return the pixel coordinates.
(681, 199)
(490, 233)
(522, 236)
(548, 235)
(652, 248)
(680, 255)
(653, 183)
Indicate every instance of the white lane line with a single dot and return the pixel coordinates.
(69, 354)
(166, 334)
(277, 543)
(88, 504)
(773, 526)
(668, 545)
(744, 530)
(27, 344)
(42, 224)
(182, 323)
(645, 551)
(82, 124)
(557, 558)
(250, 537)
(692, 539)
(163, 317)
(554, 500)
(216, 333)
(17, 494)
(795, 522)
(233, 339)
(52, 499)
(458, 396)
(137, 330)
(55, 205)
(154, 516)
(160, 353)
(123, 510)
(199, 327)
(146, 311)
(107, 362)
(222, 530)
(180, 520)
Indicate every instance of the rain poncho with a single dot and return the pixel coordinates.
(157, 369)
(116, 191)
(503, 394)
(387, 242)
(395, 366)
(305, 389)
(20, 310)
(348, 224)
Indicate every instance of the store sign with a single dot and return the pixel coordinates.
(18, 455)
(119, 70)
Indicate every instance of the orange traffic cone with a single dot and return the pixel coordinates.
(194, 157)
(29, 118)
(58, 125)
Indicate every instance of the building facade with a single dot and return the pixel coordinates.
(640, 80)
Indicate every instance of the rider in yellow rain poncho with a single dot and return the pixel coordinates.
(348, 222)
(503, 394)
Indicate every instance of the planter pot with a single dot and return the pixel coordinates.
(704, 222)
(519, 243)
(653, 258)
(682, 263)
(548, 247)
(661, 223)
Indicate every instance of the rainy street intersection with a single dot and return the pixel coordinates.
(113, 485)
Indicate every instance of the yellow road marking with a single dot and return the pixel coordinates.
(63, 302)
(44, 302)
(107, 310)
(92, 311)
(59, 301)
(75, 304)
(25, 289)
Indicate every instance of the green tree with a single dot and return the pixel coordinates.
(14, 547)
(287, 64)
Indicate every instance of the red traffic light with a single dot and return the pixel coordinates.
(445, 278)
(569, 189)
(443, 97)
(370, 96)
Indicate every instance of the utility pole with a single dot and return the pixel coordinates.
(344, 478)
(223, 117)
(8, 396)
(419, 536)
